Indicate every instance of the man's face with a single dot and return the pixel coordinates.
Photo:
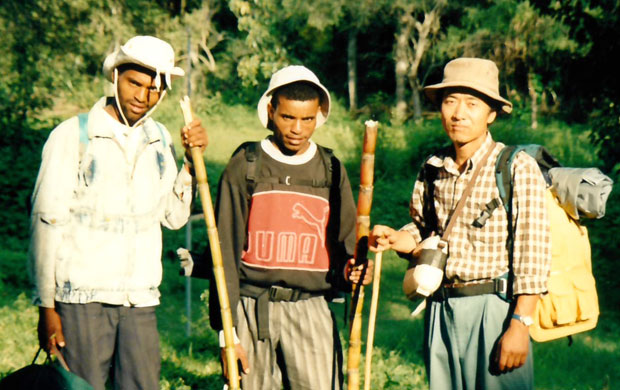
(465, 116)
(294, 122)
(136, 94)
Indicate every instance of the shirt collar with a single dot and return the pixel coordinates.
(109, 129)
(445, 158)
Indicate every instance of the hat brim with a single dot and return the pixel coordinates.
(432, 92)
(114, 60)
(264, 101)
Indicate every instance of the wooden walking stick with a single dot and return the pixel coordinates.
(216, 253)
(364, 203)
(372, 319)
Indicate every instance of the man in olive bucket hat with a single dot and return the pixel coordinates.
(108, 181)
(286, 220)
(474, 339)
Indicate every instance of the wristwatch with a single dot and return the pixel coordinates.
(525, 320)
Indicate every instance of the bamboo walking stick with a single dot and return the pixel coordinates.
(364, 203)
(372, 319)
(216, 253)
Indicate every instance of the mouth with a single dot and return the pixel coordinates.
(294, 141)
(137, 109)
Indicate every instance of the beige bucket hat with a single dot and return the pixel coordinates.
(475, 73)
(147, 51)
(288, 75)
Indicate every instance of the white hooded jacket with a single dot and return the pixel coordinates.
(97, 215)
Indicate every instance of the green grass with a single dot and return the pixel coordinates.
(592, 362)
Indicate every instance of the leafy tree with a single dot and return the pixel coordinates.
(418, 25)
(590, 83)
(520, 40)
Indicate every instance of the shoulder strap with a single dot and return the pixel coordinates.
(161, 133)
(468, 190)
(83, 121)
(430, 174)
(251, 156)
(504, 179)
(327, 155)
(503, 174)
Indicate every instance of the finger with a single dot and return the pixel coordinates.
(60, 339)
(224, 363)
(245, 363)
(502, 362)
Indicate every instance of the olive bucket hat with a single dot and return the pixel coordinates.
(288, 75)
(476, 73)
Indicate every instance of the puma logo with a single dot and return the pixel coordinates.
(301, 212)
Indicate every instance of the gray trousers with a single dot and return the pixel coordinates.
(108, 339)
(303, 351)
(460, 337)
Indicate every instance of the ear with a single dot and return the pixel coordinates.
(492, 116)
(270, 111)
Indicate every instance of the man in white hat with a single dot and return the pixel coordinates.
(476, 337)
(286, 220)
(108, 181)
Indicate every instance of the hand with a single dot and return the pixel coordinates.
(49, 329)
(352, 273)
(512, 347)
(241, 356)
(382, 238)
(193, 135)
(187, 262)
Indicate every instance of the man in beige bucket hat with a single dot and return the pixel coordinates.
(108, 181)
(476, 324)
(286, 220)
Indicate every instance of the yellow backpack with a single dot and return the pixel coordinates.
(570, 304)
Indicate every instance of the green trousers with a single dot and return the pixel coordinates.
(460, 337)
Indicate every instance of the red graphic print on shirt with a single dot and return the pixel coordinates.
(286, 230)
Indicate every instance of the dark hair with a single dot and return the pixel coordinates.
(139, 68)
(299, 90)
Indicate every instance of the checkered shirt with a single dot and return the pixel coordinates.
(480, 254)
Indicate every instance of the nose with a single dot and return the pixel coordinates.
(142, 94)
(297, 126)
(459, 110)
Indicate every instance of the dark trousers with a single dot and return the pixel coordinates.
(103, 340)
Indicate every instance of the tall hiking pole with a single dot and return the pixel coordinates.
(216, 253)
(372, 319)
(364, 203)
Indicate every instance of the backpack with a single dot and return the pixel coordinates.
(570, 304)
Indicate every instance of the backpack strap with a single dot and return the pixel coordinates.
(161, 133)
(83, 121)
(252, 156)
(430, 174)
(505, 184)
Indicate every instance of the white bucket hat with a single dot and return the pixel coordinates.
(476, 73)
(149, 52)
(288, 75)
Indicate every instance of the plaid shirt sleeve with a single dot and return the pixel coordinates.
(532, 246)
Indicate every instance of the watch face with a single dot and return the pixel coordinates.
(525, 320)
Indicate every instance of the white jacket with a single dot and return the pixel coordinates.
(97, 215)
